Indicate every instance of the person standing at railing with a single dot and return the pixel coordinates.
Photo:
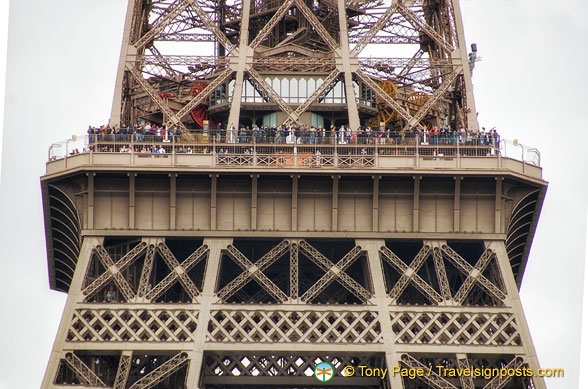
(435, 135)
(91, 135)
(116, 134)
(312, 135)
(124, 132)
(139, 133)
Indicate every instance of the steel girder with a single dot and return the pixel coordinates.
(435, 68)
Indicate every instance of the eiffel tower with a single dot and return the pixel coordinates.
(269, 198)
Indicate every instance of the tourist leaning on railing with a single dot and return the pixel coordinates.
(436, 136)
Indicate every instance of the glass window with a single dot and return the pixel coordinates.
(270, 119)
(285, 90)
(317, 120)
(302, 88)
(311, 86)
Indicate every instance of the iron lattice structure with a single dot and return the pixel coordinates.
(245, 60)
(225, 269)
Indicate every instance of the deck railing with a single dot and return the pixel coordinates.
(300, 152)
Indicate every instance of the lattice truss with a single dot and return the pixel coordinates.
(137, 272)
(423, 61)
(145, 273)
(140, 370)
(313, 276)
(279, 365)
(438, 378)
(278, 326)
(464, 328)
(132, 325)
(426, 275)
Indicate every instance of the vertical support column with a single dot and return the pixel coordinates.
(254, 201)
(513, 300)
(382, 301)
(460, 54)
(456, 203)
(376, 204)
(125, 50)
(91, 200)
(132, 179)
(335, 202)
(345, 58)
(172, 201)
(295, 202)
(416, 203)
(206, 299)
(294, 275)
(498, 208)
(213, 179)
(244, 51)
(74, 297)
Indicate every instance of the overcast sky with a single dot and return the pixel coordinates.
(531, 84)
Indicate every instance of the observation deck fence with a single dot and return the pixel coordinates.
(294, 151)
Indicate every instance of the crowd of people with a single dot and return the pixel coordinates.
(308, 135)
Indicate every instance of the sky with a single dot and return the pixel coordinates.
(530, 83)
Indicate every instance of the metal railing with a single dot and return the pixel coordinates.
(291, 150)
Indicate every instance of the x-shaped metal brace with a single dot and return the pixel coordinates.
(409, 274)
(333, 272)
(113, 270)
(474, 274)
(255, 272)
(178, 272)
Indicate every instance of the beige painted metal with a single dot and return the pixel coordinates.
(442, 34)
(79, 331)
(73, 298)
(371, 202)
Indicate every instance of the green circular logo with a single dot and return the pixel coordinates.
(324, 372)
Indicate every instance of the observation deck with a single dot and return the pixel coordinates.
(402, 188)
(331, 155)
